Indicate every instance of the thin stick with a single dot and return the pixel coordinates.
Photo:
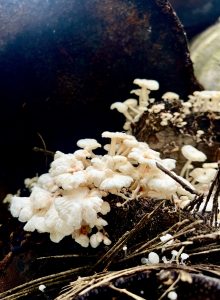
(50, 280)
(211, 190)
(177, 179)
(37, 149)
(195, 202)
(214, 235)
(214, 214)
(126, 292)
(205, 252)
(170, 288)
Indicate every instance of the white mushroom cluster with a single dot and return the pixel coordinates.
(68, 200)
(203, 101)
(133, 109)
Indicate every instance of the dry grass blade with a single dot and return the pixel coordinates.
(83, 285)
(30, 287)
(205, 252)
(126, 292)
(213, 236)
(145, 245)
(154, 245)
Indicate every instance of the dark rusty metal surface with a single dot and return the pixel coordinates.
(64, 62)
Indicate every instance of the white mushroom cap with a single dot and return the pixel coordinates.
(193, 154)
(136, 92)
(117, 181)
(153, 258)
(170, 96)
(69, 181)
(202, 175)
(172, 295)
(169, 163)
(213, 165)
(88, 144)
(36, 223)
(82, 154)
(83, 240)
(96, 239)
(122, 108)
(17, 203)
(165, 185)
(131, 102)
(46, 181)
(40, 198)
(167, 238)
(42, 288)
(106, 241)
(117, 135)
(152, 85)
(105, 208)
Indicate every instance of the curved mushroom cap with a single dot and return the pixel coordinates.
(153, 258)
(203, 175)
(117, 135)
(170, 96)
(131, 102)
(193, 154)
(88, 144)
(117, 181)
(152, 85)
(121, 107)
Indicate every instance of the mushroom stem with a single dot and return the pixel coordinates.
(112, 147)
(144, 97)
(185, 168)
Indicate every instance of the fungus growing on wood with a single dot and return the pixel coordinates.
(133, 109)
(69, 199)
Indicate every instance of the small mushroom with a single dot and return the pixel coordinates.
(115, 137)
(153, 258)
(167, 239)
(88, 144)
(170, 96)
(172, 295)
(122, 108)
(202, 175)
(132, 105)
(191, 154)
(146, 86)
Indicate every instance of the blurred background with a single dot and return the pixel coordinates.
(196, 15)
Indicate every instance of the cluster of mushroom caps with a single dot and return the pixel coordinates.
(133, 109)
(70, 198)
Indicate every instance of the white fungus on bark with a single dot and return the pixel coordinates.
(69, 200)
